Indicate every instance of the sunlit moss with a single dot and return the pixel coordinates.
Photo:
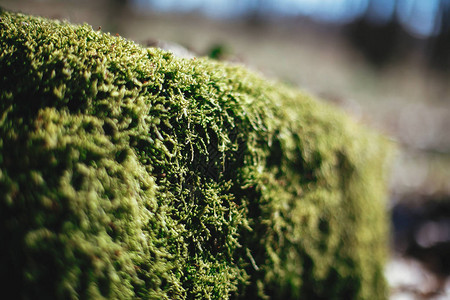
(127, 173)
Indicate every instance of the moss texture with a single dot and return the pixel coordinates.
(128, 173)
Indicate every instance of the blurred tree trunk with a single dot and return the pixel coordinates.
(115, 12)
(377, 40)
(440, 44)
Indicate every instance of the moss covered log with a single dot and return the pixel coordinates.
(129, 173)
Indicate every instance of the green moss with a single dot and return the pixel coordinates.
(129, 173)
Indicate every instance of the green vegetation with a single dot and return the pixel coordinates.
(127, 173)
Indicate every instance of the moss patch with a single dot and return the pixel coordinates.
(127, 172)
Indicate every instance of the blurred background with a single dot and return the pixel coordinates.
(385, 62)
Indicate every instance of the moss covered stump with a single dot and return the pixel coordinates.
(129, 173)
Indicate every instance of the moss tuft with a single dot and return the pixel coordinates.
(127, 173)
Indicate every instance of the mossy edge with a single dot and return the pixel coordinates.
(127, 172)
